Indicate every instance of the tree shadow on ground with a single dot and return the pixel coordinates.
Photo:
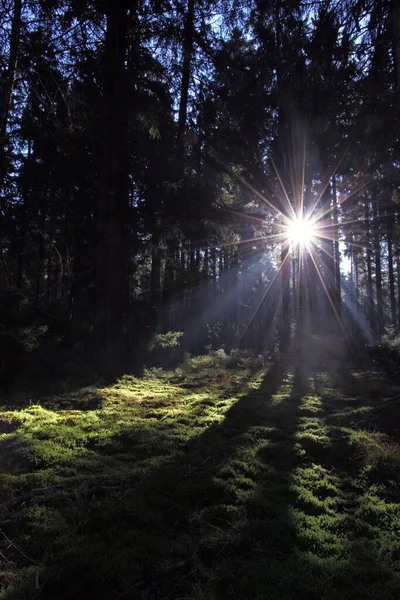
(358, 556)
(246, 509)
(180, 514)
(217, 513)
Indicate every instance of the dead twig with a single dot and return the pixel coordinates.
(29, 495)
(17, 548)
(51, 494)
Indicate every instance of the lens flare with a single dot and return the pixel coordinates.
(300, 231)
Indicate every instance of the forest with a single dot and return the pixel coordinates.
(199, 299)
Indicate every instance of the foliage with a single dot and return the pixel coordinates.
(387, 351)
(29, 337)
(170, 339)
(115, 228)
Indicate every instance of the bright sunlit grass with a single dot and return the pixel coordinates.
(300, 231)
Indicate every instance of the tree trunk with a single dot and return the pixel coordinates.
(285, 274)
(111, 256)
(206, 265)
(5, 103)
(188, 47)
(378, 270)
(40, 268)
(172, 242)
(22, 240)
(357, 281)
(336, 251)
(294, 287)
(49, 267)
(370, 292)
(155, 275)
(168, 297)
(396, 41)
(329, 261)
(398, 285)
(393, 310)
(235, 283)
(214, 269)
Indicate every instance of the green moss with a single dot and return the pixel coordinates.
(230, 484)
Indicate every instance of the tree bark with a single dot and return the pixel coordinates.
(370, 292)
(336, 251)
(5, 103)
(22, 240)
(188, 48)
(356, 279)
(111, 256)
(171, 240)
(396, 42)
(41, 249)
(398, 285)
(393, 310)
(285, 274)
(168, 298)
(378, 269)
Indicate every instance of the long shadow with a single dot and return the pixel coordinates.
(219, 519)
(363, 568)
(254, 564)
(235, 531)
(180, 513)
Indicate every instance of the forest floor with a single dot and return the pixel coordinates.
(219, 480)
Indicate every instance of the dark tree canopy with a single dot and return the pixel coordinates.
(155, 155)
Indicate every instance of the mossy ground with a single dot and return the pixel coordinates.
(205, 483)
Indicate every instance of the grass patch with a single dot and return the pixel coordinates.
(220, 479)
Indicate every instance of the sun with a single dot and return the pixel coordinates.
(300, 231)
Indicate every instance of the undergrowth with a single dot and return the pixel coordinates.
(224, 478)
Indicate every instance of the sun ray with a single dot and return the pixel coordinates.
(325, 251)
(300, 271)
(303, 171)
(292, 170)
(361, 222)
(324, 225)
(289, 204)
(304, 228)
(249, 187)
(340, 202)
(244, 215)
(334, 171)
(292, 165)
(367, 245)
(273, 236)
(265, 295)
(356, 190)
(327, 292)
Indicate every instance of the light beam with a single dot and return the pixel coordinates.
(300, 231)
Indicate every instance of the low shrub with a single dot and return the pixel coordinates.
(387, 352)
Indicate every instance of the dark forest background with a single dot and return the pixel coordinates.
(149, 151)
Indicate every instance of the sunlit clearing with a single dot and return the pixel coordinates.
(284, 390)
(300, 231)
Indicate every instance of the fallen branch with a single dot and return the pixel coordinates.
(29, 495)
(17, 548)
(50, 494)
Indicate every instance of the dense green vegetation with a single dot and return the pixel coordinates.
(223, 478)
(199, 299)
